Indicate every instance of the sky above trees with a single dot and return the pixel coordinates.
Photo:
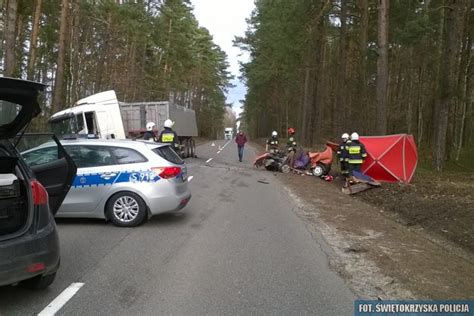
(226, 19)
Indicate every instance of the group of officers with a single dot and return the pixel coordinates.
(167, 135)
(351, 152)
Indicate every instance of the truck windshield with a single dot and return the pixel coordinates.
(64, 126)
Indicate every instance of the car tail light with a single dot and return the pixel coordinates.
(167, 172)
(184, 202)
(35, 267)
(40, 195)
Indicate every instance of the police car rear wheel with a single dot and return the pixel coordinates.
(126, 209)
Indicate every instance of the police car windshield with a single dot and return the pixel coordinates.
(169, 154)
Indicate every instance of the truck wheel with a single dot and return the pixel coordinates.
(193, 148)
(188, 148)
(183, 153)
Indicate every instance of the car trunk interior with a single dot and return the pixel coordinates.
(13, 195)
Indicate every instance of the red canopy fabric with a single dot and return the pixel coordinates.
(391, 158)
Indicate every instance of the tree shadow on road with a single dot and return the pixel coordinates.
(168, 219)
(80, 221)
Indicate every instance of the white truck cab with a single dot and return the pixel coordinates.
(102, 116)
(97, 115)
(228, 133)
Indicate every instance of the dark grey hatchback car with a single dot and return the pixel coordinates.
(29, 197)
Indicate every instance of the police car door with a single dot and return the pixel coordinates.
(96, 173)
(135, 169)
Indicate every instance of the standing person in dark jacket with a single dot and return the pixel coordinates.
(169, 136)
(342, 154)
(356, 154)
(273, 146)
(150, 132)
(240, 139)
(291, 146)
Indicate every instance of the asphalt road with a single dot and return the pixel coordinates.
(238, 248)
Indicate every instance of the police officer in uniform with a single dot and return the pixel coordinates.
(150, 132)
(273, 146)
(342, 154)
(168, 135)
(355, 154)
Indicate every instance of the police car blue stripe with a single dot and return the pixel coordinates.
(96, 179)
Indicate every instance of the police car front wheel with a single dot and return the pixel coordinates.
(126, 209)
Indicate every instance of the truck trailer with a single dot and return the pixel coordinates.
(102, 116)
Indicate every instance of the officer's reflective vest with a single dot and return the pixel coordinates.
(291, 145)
(273, 142)
(356, 153)
(168, 136)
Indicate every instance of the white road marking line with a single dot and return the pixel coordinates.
(226, 144)
(61, 300)
(220, 149)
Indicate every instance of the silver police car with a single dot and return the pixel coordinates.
(123, 181)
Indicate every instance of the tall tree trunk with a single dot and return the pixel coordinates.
(167, 67)
(318, 81)
(363, 35)
(34, 39)
(306, 111)
(104, 56)
(19, 39)
(58, 94)
(465, 79)
(341, 106)
(3, 9)
(446, 80)
(382, 67)
(409, 117)
(464, 104)
(420, 103)
(10, 34)
(75, 58)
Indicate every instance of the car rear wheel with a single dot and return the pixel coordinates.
(126, 209)
(285, 168)
(318, 171)
(39, 282)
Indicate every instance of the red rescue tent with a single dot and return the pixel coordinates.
(390, 158)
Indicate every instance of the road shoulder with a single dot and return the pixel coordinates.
(375, 253)
(379, 257)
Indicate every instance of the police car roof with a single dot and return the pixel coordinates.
(106, 142)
